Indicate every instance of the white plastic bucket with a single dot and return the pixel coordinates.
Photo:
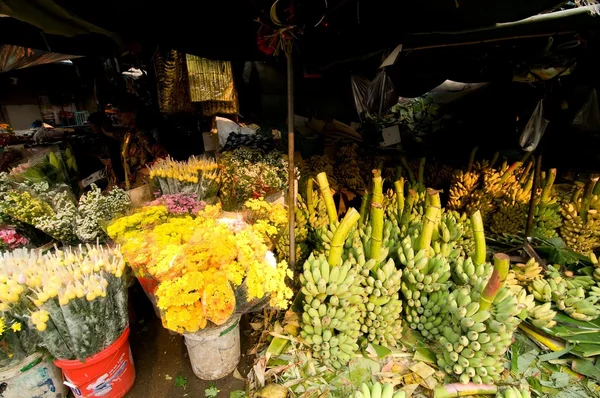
(34, 376)
(215, 352)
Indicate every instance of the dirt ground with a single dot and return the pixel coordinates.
(160, 358)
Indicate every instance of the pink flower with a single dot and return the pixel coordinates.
(181, 203)
(12, 239)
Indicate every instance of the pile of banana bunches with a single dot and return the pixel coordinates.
(502, 194)
(402, 262)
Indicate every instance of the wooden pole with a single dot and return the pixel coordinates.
(536, 180)
(291, 170)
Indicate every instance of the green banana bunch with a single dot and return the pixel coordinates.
(333, 304)
(382, 323)
(323, 237)
(475, 339)
(547, 219)
(378, 390)
(542, 316)
(423, 276)
(348, 171)
(513, 392)
(465, 272)
(301, 234)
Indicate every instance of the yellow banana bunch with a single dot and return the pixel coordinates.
(378, 390)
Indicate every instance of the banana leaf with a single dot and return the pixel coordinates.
(586, 368)
(587, 338)
(586, 350)
(567, 320)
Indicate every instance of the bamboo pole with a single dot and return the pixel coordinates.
(291, 165)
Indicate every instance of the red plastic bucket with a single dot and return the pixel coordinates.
(108, 374)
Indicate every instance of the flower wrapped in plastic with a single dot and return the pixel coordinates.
(75, 299)
(198, 175)
(52, 210)
(201, 269)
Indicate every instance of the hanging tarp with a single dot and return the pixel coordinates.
(15, 57)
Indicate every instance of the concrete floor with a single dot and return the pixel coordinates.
(161, 357)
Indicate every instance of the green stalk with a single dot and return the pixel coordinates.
(421, 175)
(433, 199)
(471, 158)
(496, 282)
(587, 198)
(494, 159)
(376, 218)
(597, 189)
(548, 183)
(514, 166)
(398, 172)
(576, 193)
(429, 222)
(463, 390)
(366, 198)
(526, 174)
(399, 189)
(479, 236)
(529, 183)
(340, 235)
(410, 203)
(409, 173)
(327, 196)
(309, 197)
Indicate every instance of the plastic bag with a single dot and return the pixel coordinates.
(534, 130)
(381, 94)
(588, 117)
(360, 85)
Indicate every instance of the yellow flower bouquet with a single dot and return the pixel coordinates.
(201, 269)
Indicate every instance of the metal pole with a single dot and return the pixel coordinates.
(291, 170)
(536, 179)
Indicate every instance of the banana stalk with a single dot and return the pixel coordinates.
(309, 197)
(366, 199)
(327, 196)
(587, 198)
(409, 173)
(496, 281)
(376, 217)
(421, 175)
(429, 223)
(463, 390)
(597, 189)
(514, 166)
(471, 159)
(494, 159)
(479, 236)
(413, 196)
(548, 183)
(339, 237)
(399, 189)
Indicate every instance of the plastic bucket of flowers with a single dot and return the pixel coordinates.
(75, 300)
(211, 268)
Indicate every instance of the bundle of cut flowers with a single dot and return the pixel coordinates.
(75, 299)
(54, 210)
(205, 267)
(251, 174)
(17, 340)
(199, 176)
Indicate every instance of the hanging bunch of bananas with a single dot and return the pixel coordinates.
(513, 392)
(581, 219)
(322, 164)
(576, 295)
(378, 390)
(425, 279)
(300, 234)
(347, 168)
(315, 209)
(511, 208)
(481, 321)
(463, 184)
(547, 219)
(333, 301)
